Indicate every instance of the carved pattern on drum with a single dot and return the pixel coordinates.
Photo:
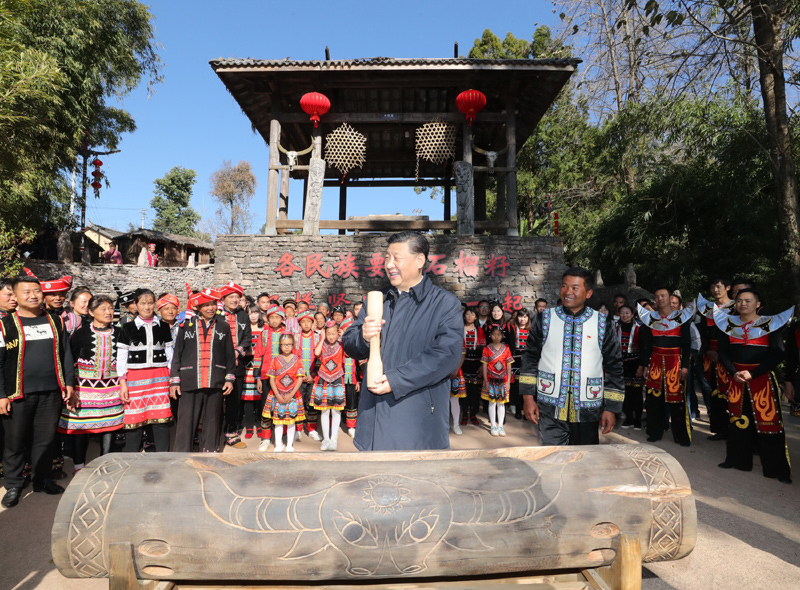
(396, 525)
(85, 545)
(666, 531)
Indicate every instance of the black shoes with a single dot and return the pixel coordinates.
(48, 487)
(11, 498)
(718, 436)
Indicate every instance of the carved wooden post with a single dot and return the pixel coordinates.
(465, 198)
(511, 162)
(501, 211)
(316, 178)
(283, 209)
(273, 178)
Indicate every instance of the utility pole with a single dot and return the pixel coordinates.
(143, 212)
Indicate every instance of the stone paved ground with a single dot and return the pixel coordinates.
(748, 526)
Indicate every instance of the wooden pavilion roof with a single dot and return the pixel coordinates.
(387, 99)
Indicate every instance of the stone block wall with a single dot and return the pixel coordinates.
(514, 270)
(102, 278)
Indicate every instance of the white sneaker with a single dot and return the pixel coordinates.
(501, 431)
(278, 448)
(297, 436)
(494, 431)
(457, 429)
(314, 435)
(325, 446)
(289, 450)
(332, 445)
(351, 432)
(512, 409)
(264, 446)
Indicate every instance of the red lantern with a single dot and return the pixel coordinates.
(555, 224)
(97, 174)
(315, 104)
(97, 162)
(96, 185)
(471, 102)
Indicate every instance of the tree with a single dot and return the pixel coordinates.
(172, 202)
(233, 187)
(60, 61)
(775, 26)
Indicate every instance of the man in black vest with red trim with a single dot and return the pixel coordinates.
(36, 376)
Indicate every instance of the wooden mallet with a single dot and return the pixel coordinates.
(375, 364)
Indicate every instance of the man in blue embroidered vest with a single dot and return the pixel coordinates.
(571, 378)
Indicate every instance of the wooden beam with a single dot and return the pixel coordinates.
(383, 183)
(392, 117)
(387, 224)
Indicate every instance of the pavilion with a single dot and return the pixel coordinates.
(386, 102)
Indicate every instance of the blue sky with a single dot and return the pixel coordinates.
(192, 121)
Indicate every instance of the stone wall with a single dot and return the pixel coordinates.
(512, 269)
(102, 278)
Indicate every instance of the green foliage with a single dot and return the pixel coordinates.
(172, 202)
(60, 61)
(489, 46)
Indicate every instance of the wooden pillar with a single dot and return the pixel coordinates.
(465, 198)
(342, 205)
(479, 183)
(312, 195)
(511, 162)
(500, 209)
(305, 193)
(283, 208)
(273, 178)
(448, 184)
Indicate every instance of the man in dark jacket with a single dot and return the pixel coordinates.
(202, 373)
(421, 344)
(36, 376)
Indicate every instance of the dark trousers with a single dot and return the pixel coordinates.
(633, 405)
(31, 422)
(312, 413)
(743, 437)
(266, 423)
(232, 407)
(133, 438)
(471, 404)
(203, 405)
(80, 444)
(554, 432)
(252, 411)
(658, 411)
(351, 397)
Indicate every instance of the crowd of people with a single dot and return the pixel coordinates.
(132, 369)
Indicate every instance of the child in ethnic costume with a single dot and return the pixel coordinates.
(497, 361)
(284, 405)
(239, 324)
(202, 374)
(143, 359)
(268, 348)
(329, 386)
(100, 409)
(352, 386)
(750, 348)
(252, 401)
(521, 327)
(474, 342)
(458, 391)
(306, 344)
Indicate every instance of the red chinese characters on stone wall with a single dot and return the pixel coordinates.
(338, 299)
(511, 302)
(467, 265)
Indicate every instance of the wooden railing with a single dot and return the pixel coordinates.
(388, 224)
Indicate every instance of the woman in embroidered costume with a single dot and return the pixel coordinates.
(284, 405)
(628, 336)
(474, 342)
(100, 410)
(329, 386)
(750, 348)
(143, 360)
(497, 317)
(497, 360)
(268, 348)
(520, 329)
(167, 308)
(252, 401)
